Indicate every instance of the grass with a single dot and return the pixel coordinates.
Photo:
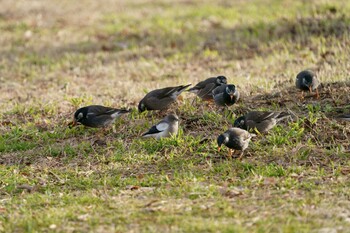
(59, 55)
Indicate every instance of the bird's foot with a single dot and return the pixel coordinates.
(317, 95)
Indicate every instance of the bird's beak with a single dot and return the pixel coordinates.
(310, 89)
(72, 124)
(232, 96)
(219, 149)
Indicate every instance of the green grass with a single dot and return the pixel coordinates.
(58, 56)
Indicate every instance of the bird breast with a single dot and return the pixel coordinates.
(174, 128)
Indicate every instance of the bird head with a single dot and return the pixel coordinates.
(231, 90)
(240, 123)
(79, 115)
(173, 117)
(222, 139)
(141, 107)
(306, 82)
(305, 79)
(221, 80)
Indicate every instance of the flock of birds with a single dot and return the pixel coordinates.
(213, 89)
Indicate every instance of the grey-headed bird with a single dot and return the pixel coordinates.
(165, 128)
(235, 139)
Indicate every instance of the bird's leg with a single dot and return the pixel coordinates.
(207, 105)
(240, 156)
(302, 95)
(230, 153)
(310, 89)
(194, 101)
(211, 105)
(317, 94)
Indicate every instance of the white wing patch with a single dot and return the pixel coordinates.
(115, 115)
(162, 126)
(175, 94)
(269, 115)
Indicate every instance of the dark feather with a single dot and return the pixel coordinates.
(152, 130)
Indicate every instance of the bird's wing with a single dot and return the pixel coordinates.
(158, 128)
(258, 116)
(203, 84)
(172, 91)
(161, 98)
(247, 136)
(219, 89)
(97, 110)
(282, 115)
(206, 90)
(161, 126)
(198, 86)
(165, 92)
(154, 103)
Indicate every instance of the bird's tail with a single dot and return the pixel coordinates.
(344, 117)
(119, 112)
(182, 88)
(282, 115)
(175, 92)
(193, 90)
(123, 111)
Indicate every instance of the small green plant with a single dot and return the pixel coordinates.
(80, 101)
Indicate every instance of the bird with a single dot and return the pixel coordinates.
(97, 116)
(307, 80)
(262, 121)
(204, 88)
(344, 117)
(165, 128)
(225, 95)
(235, 139)
(161, 99)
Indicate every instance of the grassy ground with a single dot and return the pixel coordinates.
(59, 55)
